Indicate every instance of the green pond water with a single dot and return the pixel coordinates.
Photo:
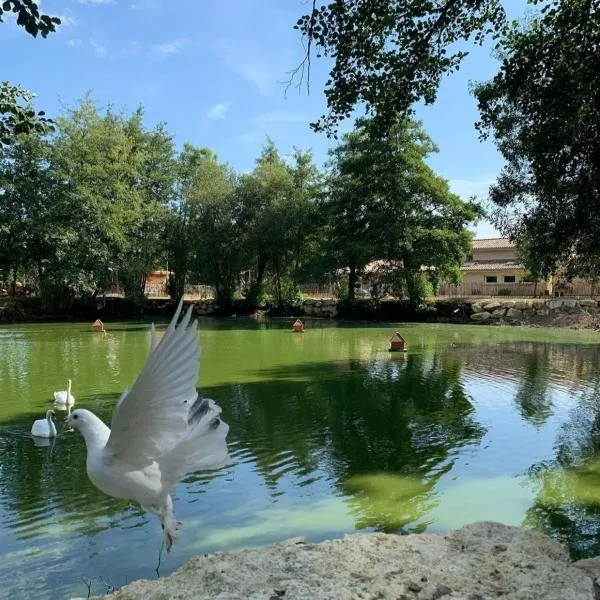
(330, 433)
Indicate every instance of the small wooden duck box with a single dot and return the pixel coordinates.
(397, 343)
(298, 326)
(98, 325)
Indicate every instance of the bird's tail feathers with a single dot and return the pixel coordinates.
(204, 447)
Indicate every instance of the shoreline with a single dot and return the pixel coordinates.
(476, 562)
(566, 312)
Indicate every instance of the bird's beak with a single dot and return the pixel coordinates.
(67, 424)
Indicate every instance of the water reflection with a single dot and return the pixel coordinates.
(329, 433)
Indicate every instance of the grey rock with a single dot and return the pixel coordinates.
(513, 314)
(481, 316)
(523, 304)
(492, 306)
(458, 566)
(508, 304)
(498, 313)
(589, 303)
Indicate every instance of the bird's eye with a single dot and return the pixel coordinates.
(76, 416)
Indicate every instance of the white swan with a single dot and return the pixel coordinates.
(44, 428)
(64, 396)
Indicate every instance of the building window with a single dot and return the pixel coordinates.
(510, 279)
(491, 279)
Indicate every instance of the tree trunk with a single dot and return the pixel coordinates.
(256, 285)
(13, 284)
(278, 284)
(352, 280)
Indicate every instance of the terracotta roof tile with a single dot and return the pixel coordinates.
(501, 265)
(484, 243)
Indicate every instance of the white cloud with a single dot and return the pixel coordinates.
(218, 111)
(238, 57)
(98, 48)
(170, 48)
(279, 116)
(74, 43)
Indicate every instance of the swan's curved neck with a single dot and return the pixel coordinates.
(51, 426)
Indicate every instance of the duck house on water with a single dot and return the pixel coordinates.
(298, 326)
(397, 343)
(98, 325)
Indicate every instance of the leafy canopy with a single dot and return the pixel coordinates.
(542, 109)
(389, 54)
(16, 115)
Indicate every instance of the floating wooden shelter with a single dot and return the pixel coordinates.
(397, 343)
(298, 326)
(98, 325)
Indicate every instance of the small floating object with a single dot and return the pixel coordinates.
(397, 343)
(98, 325)
(298, 326)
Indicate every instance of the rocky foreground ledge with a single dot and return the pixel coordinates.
(480, 561)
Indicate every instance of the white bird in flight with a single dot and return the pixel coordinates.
(161, 429)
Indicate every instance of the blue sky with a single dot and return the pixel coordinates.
(213, 70)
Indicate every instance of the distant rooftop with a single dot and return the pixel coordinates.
(489, 265)
(482, 244)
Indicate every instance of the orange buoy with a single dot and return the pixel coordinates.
(397, 343)
(298, 326)
(98, 325)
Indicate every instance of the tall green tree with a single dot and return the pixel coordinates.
(277, 204)
(154, 181)
(113, 196)
(385, 203)
(389, 55)
(542, 109)
(218, 229)
(28, 237)
(179, 230)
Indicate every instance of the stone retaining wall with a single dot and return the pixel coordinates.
(320, 308)
(526, 311)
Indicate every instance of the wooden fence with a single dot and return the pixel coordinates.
(319, 292)
(579, 287)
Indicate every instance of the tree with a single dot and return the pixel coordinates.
(16, 114)
(218, 229)
(114, 189)
(27, 224)
(390, 54)
(542, 109)
(278, 208)
(179, 230)
(154, 153)
(385, 203)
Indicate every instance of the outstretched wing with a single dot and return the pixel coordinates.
(151, 417)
